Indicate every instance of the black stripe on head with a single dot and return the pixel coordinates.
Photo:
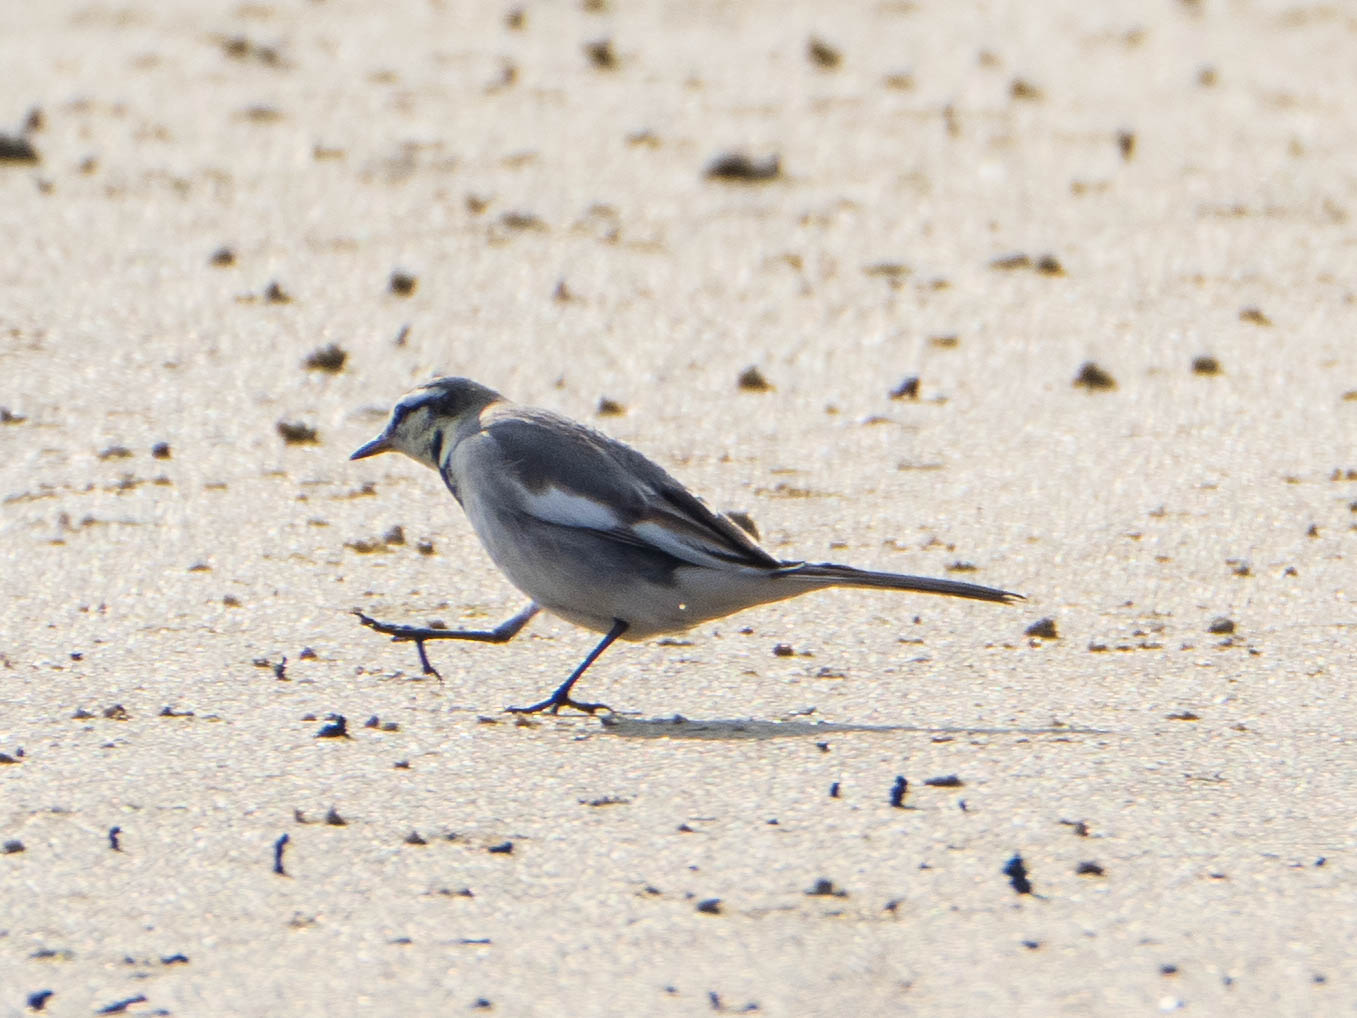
(436, 447)
(454, 397)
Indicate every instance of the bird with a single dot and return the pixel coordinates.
(593, 531)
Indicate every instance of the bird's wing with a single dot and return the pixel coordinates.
(571, 475)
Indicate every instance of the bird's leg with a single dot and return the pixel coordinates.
(561, 698)
(502, 633)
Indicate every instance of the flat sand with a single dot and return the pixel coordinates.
(982, 197)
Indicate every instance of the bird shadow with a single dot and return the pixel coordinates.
(731, 729)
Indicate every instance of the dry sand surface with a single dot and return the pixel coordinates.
(982, 196)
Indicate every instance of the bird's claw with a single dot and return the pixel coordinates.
(401, 634)
(398, 633)
(553, 705)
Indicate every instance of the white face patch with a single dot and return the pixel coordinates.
(571, 510)
(413, 434)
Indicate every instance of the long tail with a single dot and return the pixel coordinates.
(830, 575)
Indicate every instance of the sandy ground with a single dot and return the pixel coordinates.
(985, 197)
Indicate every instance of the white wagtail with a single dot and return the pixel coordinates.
(593, 531)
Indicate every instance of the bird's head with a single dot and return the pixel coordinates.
(428, 420)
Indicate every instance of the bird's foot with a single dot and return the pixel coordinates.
(404, 634)
(397, 632)
(554, 703)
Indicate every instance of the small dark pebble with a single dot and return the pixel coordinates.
(822, 54)
(1021, 88)
(402, 284)
(240, 48)
(160, 451)
(783, 650)
(907, 389)
(298, 433)
(120, 1006)
(329, 358)
(1126, 144)
(518, 220)
(338, 728)
(12, 847)
(1009, 262)
(1221, 626)
(610, 407)
(1016, 872)
(824, 888)
(898, 792)
(222, 257)
(1205, 365)
(1168, 970)
(946, 781)
(1254, 315)
(414, 838)
(751, 380)
(1043, 628)
(711, 906)
(275, 294)
(333, 819)
(37, 1001)
(737, 166)
(1094, 378)
(1089, 869)
(8, 416)
(17, 149)
(278, 847)
(600, 54)
(834, 790)
(503, 848)
(1049, 265)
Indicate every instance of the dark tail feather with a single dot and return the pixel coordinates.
(828, 574)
